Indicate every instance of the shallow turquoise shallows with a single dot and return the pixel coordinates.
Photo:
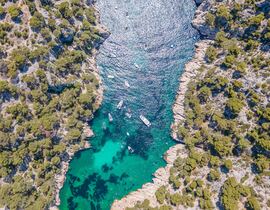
(150, 42)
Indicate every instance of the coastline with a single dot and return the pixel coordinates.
(190, 72)
(87, 131)
(161, 176)
(191, 67)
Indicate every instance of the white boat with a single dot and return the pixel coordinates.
(110, 117)
(145, 121)
(130, 149)
(136, 65)
(128, 115)
(127, 84)
(110, 76)
(113, 55)
(104, 126)
(120, 104)
(128, 134)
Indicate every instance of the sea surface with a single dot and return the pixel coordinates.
(150, 42)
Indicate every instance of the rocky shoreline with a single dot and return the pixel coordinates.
(191, 68)
(148, 190)
(61, 177)
(161, 176)
(189, 73)
(87, 131)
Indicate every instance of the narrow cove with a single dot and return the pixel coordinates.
(149, 44)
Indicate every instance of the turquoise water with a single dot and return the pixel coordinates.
(149, 44)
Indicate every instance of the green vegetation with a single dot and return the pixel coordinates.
(211, 54)
(37, 21)
(48, 94)
(234, 106)
(2, 11)
(252, 203)
(224, 115)
(228, 164)
(161, 194)
(14, 11)
(214, 175)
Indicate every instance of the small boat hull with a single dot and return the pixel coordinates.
(145, 121)
(127, 84)
(110, 117)
(120, 104)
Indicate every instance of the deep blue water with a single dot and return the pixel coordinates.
(149, 44)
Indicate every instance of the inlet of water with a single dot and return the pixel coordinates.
(150, 42)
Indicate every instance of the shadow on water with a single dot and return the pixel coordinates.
(149, 44)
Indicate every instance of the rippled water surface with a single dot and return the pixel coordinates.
(150, 42)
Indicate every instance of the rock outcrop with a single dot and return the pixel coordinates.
(199, 20)
(189, 73)
(192, 66)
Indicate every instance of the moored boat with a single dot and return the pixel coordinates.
(110, 76)
(136, 65)
(120, 104)
(145, 120)
(130, 149)
(110, 117)
(127, 84)
(128, 115)
(104, 126)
